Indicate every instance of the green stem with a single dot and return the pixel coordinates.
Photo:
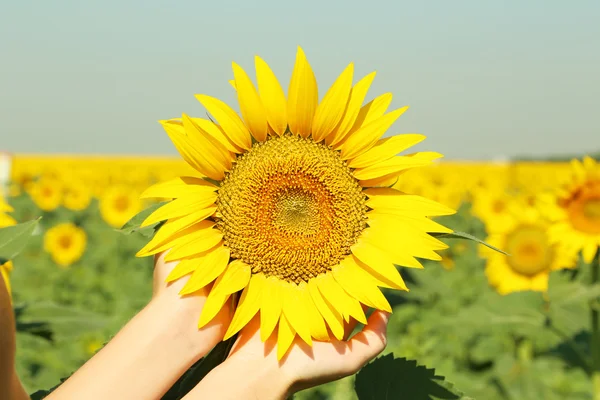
(595, 327)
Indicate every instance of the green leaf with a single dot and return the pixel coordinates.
(389, 378)
(14, 238)
(134, 224)
(464, 235)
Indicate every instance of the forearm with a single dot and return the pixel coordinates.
(145, 357)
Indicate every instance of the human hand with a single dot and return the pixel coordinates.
(153, 350)
(259, 375)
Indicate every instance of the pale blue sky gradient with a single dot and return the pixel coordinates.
(484, 79)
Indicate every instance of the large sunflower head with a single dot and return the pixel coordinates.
(532, 256)
(576, 209)
(294, 211)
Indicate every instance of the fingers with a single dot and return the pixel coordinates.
(368, 343)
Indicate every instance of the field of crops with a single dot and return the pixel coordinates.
(493, 327)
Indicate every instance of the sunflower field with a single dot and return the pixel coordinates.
(493, 326)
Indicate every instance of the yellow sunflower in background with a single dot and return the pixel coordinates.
(5, 219)
(46, 193)
(77, 196)
(524, 236)
(292, 211)
(576, 210)
(118, 204)
(66, 243)
(490, 205)
(5, 272)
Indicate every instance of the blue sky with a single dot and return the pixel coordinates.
(484, 79)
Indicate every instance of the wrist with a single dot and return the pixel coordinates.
(178, 319)
(264, 381)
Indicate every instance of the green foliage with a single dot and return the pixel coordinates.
(388, 378)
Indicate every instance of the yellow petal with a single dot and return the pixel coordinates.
(272, 96)
(235, 278)
(180, 207)
(248, 305)
(179, 187)
(370, 112)
(364, 138)
(212, 266)
(318, 330)
(398, 256)
(385, 181)
(419, 222)
(394, 165)
(270, 308)
(360, 285)
(331, 110)
(378, 264)
(389, 198)
(202, 242)
(251, 105)
(162, 238)
(232, 83)
(357, 96)
(285, 337)
(189, 153)
(218, 134)
(213, 304)
(385, 149)
(211, 148)
(294, 312)
(189, 265)
(332, 316)
(339, 298)
(303, 97)
(231, 123)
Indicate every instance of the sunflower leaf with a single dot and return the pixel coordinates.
(388, 378)
(464, 235)
(14, 238)
(134, 224)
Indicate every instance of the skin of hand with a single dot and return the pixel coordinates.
(10, 385)
(259, 375)
(153, 350)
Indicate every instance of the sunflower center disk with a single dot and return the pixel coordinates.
(584, 208)
(290, 208)
(529, 249)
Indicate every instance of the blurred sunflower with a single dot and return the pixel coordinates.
(46, 193)
(576, 210)
(5, 272)
(66, 243)
(292, 212)
(490, 205)
(118, 204)
(77, 196)
(5, 219)
(531, 254)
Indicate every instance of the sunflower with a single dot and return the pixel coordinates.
(5, 272)
(5, 219)
(575, 210)
(294, 210)
(524, 236)
(77, 196)
(66, 243)
(118, 204)
(46, 193)
(490, 205)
